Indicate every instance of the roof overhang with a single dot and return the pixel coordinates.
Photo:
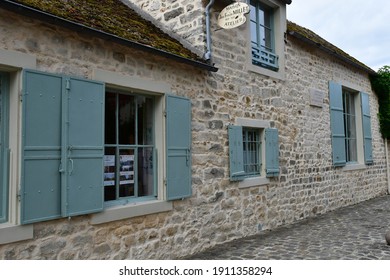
(49, 18)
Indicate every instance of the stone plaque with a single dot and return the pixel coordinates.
(316, 98)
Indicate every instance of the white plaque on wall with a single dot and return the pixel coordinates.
(316, 98)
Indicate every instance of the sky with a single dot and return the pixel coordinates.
(360, 28)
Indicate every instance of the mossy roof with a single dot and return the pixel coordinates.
(314, 39)
(115, 18)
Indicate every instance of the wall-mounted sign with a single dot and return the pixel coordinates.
(233, 15)
(316, 98)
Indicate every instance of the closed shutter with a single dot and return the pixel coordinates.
(236, 153)
(178, 135)
(41, 153)
(62, 171)
(366, 119)
(85, 147)
(337, 124)
(271, 152)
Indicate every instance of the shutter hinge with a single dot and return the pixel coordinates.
(165, 113)
(67, 84)
(165, 182)
(18, 195)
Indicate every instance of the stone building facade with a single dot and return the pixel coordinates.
(219, 208)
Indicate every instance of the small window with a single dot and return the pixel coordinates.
(248, 156)
(252, 151)
(263, 35)
(129, 160)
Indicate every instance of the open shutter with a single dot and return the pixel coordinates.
(41, 147)
(271, 152)
(4, 151)
(366, 119)
(178, 124)
(337, 124)
(236, 153)
(84, 151)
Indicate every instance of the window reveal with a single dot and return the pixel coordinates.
(129, 147)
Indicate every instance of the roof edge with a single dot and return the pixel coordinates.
(305, 39)
(47, 17)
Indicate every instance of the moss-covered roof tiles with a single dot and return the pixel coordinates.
(314, 39)
(115, 18)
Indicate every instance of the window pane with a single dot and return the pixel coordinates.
(267, 39)
(253, 11)
(254, 33)
(352, 150)
(145, 172)
(110, 118)
(126, 120)
(251, 142)
(126, 173)
(145, 121)
(267, 18)
(109, 174)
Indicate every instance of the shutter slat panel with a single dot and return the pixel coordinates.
(236, 153)
(178, 123)
(337, 124)
(366, 119)
(271, 152)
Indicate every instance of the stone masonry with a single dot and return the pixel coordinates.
(218, 210)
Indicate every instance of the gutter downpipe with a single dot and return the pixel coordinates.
(387, 166)
(207, 55)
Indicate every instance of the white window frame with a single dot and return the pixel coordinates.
(13, 62)
(280, 26)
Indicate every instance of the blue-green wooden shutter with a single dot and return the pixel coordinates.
(366, 119)
(41, 147)
(271, 152)
(4, 151)
(337, 124)
(84, 151)
(236, 153)
(178, 135)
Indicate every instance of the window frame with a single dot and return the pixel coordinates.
(135, 146)
(339, 138)
(261, 179)
(280, 26)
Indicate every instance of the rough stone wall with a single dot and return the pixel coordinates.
(184, 17)
(218, 210)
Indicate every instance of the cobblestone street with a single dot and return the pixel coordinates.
(352, 233)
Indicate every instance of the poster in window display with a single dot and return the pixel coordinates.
(109, 170)
(126, 169)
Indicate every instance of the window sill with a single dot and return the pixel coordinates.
(266, 72)
(255, 181)
(130, 211)
(354, 166)
(14, 233)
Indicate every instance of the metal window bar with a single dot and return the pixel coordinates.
(251, 149)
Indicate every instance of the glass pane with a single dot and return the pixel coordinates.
(268, 39)
(352, 150)
(145, 172)
(109, 174)
(253, 11)
(253, 33)
(145, 121)
(126, 120)
(262, 36)
(126, 173)
(110, 118)
(267, 18)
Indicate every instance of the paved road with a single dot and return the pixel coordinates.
(351, 233)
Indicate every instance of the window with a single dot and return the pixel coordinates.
(3, 147)
(248, 156)
(263, 35)
(349, 113)
(129, 147)
(350, 126)
(252, 151)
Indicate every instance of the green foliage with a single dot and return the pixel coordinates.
(381, 85)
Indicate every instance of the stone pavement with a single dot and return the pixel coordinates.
(351, 233)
